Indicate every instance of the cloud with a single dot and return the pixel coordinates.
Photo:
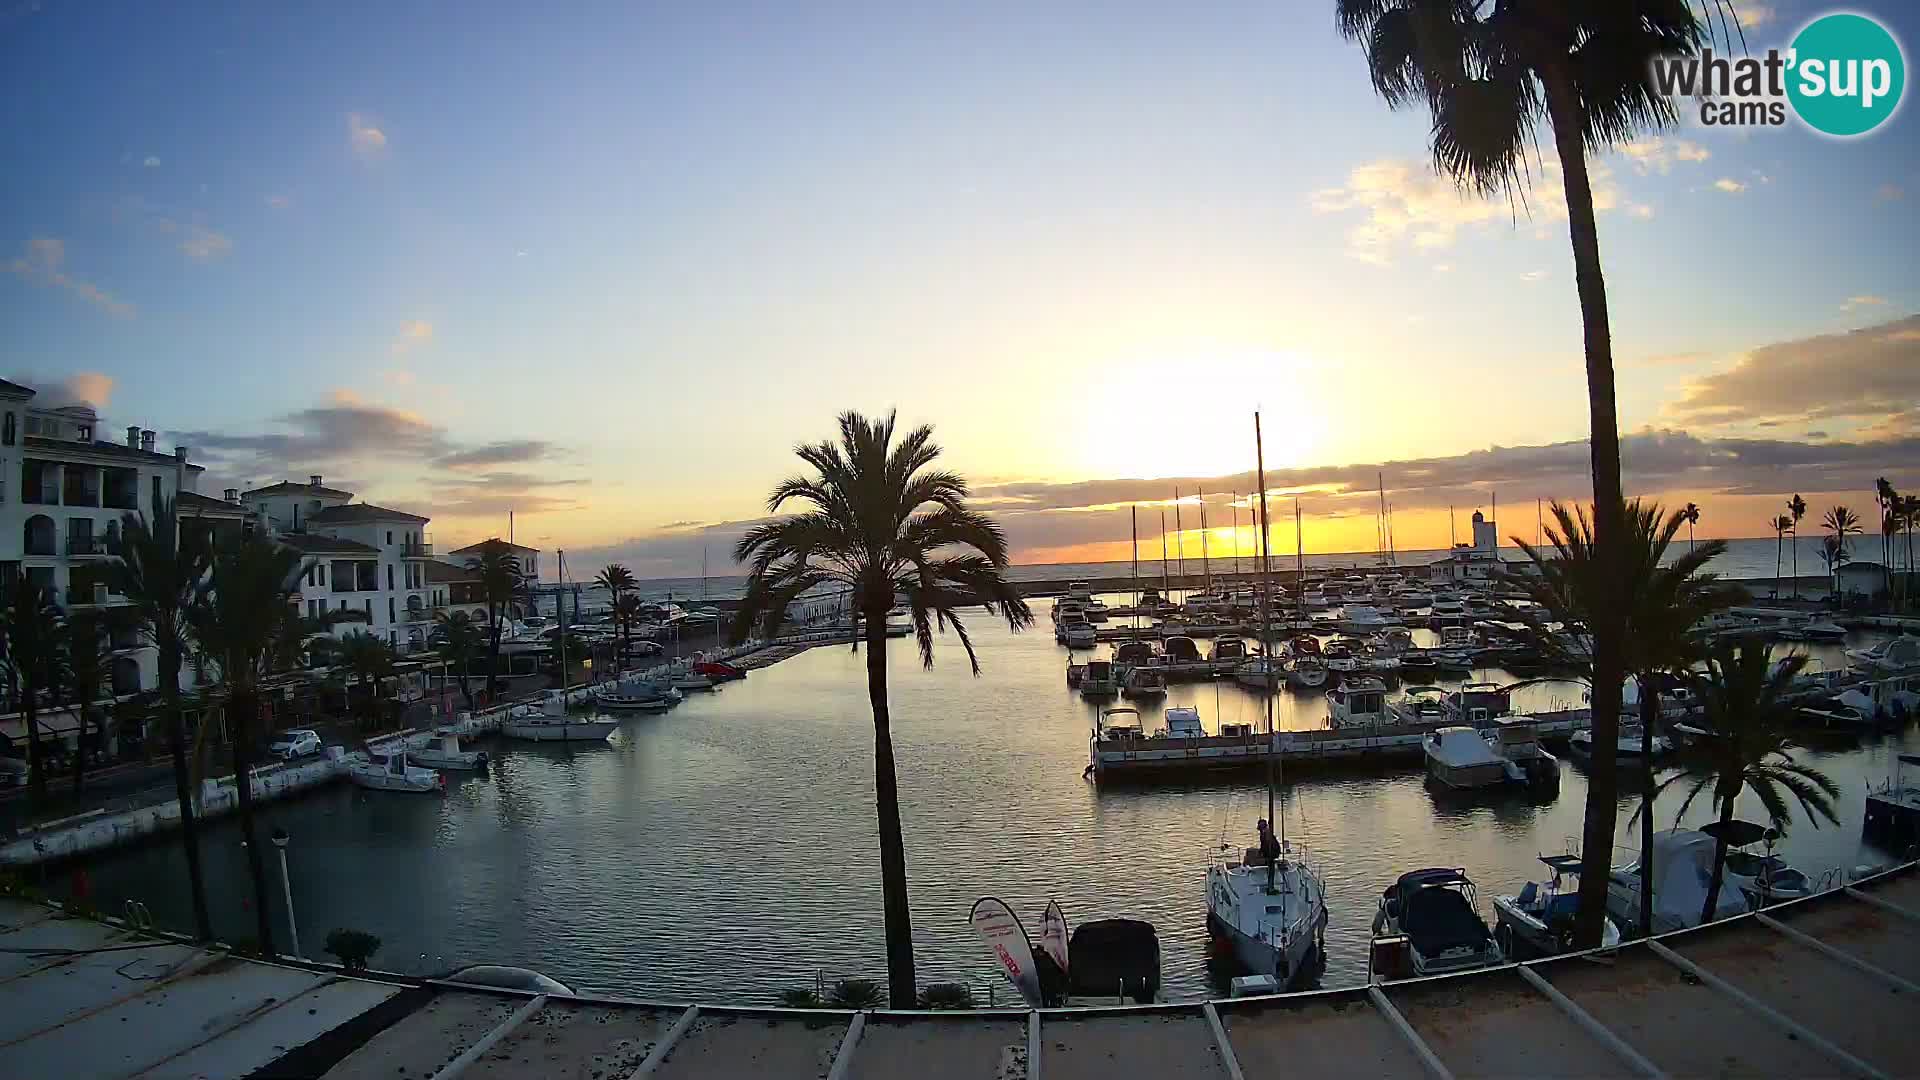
(1640, 210)
(44, 261)
(1752, 15)
(84, 387)
(1729, 185)
(413, 332)
(1865, 300)
(1407, 204)
(1658, 153)
(151, 162)
(366, 139)
(1534, 275)
(497, 453)
(198, 242)
(1869, 376)
(1890, 193)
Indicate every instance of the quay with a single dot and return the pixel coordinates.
(1822, 986)
(1137, 758)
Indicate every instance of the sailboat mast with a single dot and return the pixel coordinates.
(1165, 589)
(1299, 563)
(1179, 541)
(704, 535)
(1266, 586)
(1135, 511)
(1206, 567)
(560, 612)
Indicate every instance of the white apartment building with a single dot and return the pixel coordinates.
(367, 561)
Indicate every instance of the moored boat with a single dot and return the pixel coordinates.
(387, 770)
(550, 722)
(1427, 924)
(1459, 758)
(1538, 920)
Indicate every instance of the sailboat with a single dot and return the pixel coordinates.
(1266, 902)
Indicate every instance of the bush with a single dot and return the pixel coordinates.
(946, 996)
(353, 948)
(855, 994)
(802, 998)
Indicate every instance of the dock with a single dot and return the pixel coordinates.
(1155, 757)
(1822, 986)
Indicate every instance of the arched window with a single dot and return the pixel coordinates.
(40, 537)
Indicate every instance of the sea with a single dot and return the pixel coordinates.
(727, 850)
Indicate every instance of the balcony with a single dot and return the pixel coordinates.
(417, 550)
(87, 547)
(40, 494)
(416, 615)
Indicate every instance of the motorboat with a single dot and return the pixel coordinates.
(719, 671)
(1264, 672)
(1095, 610)
(1433, 912)
(549, 722)
(1894, 700)
(682, 677)
(1459, 758)
(1131, 653)
(1100, 681)
(1816, 628)
(447, 754)
(1630, 743)
(1365, 619)
(1181, 650)
(1421, 706)
(1273, 913)
(1145, 680)
(1307, 672)
(1230, 652)
(1764, 878)
(1079, 590)
(1357, 702)
(1183, 722)
(1892, 656)
(1075, 632)
(1516, 740)
(1418, 662)
(1539, 919)
(1892, 820)
(1683, 866)
(387, 769)
(1344, 655)
(636, 695)
(1075, 672)
(1477, 703)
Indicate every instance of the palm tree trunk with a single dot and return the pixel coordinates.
(1649, 716)
(1796, 564)
(1777, 543)
(189, 830)
(241, 708)
(80, 751)
(37, 787)
(901, 991)
(1719, 861)
(1609, 526)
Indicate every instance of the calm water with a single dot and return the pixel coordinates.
(727, 849)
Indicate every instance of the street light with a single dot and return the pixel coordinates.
(280, 839)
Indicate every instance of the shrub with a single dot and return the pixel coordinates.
(353, 948)
(800, 999)
(855, 994)
(946, 996)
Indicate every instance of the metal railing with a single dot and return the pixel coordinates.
(417, 550)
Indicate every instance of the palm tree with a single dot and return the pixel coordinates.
(1797, 507)
(627, 613)
(1780, 526)
(1886, 499)
(85, 646)
(502, 585)
(1691, 515)
(1490, 75)
(1662, 607)
(617, 580)
(1910, 516)
(1747, 712)
(159, 570)
(458, 638)
(371, 660)
(1840, 523)
(30, 626)
(238, 619)
(882, 522)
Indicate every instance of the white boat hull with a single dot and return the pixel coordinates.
(570, 731)
(464, 760)
(1285, 964)
(380, 780)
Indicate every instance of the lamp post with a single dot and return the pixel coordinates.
(280, 839)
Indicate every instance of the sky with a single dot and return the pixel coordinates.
(603, 266)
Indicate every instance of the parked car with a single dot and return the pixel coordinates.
(295, 743)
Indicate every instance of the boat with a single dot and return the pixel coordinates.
(1892, 820)
(1228, 653)
(549, 722)
(1475, 704)
(1459, 758)
(1106, 956)
(448, 754)
(1421, 706)
(1183, 722)
(1516, 740)
(1307, 672)
(1100, 681)
(1816, 628)
(1180, 650)
(1079, 590)
(1630, 744)
(1538, 920)
(1365, 619)
(1095, 610)
(1263, 672)
(718, 671)
(386, 769)
(1427, 924)
(1343, 655)
(1357, 702)
(1145, 680)
(1892, 656)
(1075, 672)
(1074, 631)
(1683, 865)
(682, 677)
(1267, 903)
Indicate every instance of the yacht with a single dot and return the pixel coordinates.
(1183, 722)
(636, 694)
(1307, 672)
(1262, 672)
(1357, 702)
(1075, 632)
(549, 722)
(1434, 912)
(1344, 655)
(1096, 611)
(1145, 680)
(1892, 656)
(1079, 590)
(1421, 706)
(1516, 740)
(1630, 744)
(1100, 680)
(448, 754)
(1459, 758)
(1477, 703)
(386, 769)
(1274, 915)
(1365, 619)
(1685, 858)
(1228, 652)
(1538, 920)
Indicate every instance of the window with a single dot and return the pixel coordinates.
(369, 609)
(309, 579)
(391, 615)
(156, 496)
(389, 536)
(86, 433)
(323, 577)
(313, 611)
(323, 607)
(389, 566)
(7, 430)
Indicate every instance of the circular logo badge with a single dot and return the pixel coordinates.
(1848, 74)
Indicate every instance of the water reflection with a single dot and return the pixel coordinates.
(727, 849)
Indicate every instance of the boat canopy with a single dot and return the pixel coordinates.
(1562, 864)
(1434, 876)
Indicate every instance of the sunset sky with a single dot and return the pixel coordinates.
(604, 265)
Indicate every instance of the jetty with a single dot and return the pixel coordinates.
(1822, 986)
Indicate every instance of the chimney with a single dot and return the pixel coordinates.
(146, 439)
(133, 436)
(233, 495)
(314, 480)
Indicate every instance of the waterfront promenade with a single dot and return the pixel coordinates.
(1819, 987)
